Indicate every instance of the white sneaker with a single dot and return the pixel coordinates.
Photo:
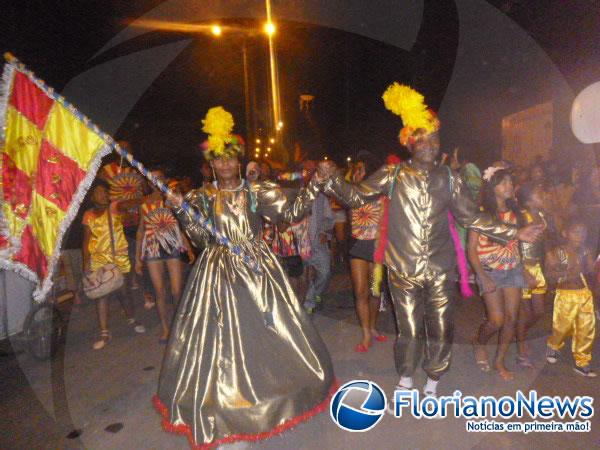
(585, 371)
(551, 355)
(432, 394)
(390, 406)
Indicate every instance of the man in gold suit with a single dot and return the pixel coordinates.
(419, 254)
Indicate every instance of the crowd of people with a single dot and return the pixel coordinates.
(514, 280)
(530, 237)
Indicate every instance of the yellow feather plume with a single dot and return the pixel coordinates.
(410, 106)
(218, 124)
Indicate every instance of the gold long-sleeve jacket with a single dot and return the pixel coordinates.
(419, 240)
(262, 200)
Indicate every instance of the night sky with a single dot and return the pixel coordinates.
(345, 71)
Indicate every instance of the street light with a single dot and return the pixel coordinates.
(216, 30)
(269, 28)
(279, 125)
(272, 140)
(258, 141)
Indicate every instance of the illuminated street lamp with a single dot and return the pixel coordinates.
(218, 31)
(272, 140)
(269, 28)
(258, 141)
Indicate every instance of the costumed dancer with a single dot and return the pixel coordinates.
(104, 243)
(243, 361)
(160, 246)
(531, 202)
(570, 266)
(419, 254)
(126, 188)
(499, 272)
(364, 223)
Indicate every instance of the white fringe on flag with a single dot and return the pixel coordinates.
(5, 90)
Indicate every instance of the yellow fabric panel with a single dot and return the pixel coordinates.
(72, 137)
(15, 223)
(23, 141)
(45, 219)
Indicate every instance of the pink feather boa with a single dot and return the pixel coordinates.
(461, 259)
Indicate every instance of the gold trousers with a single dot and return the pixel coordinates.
(424, 308)
(574, 316)
(535, 270)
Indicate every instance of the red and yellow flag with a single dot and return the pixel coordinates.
(49, 155)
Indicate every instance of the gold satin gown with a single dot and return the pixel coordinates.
(244, 361)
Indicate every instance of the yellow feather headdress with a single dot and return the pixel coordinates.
(218, 124)
(410, 106)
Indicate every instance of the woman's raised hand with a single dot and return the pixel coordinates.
(174, 200)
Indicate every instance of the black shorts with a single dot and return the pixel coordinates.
(362, 249)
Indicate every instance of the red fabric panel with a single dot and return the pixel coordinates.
(31, 254)
(30, 100)
(57, 181)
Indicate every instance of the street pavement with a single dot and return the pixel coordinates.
(97, 400)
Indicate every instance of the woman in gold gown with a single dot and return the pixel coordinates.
(243, 361)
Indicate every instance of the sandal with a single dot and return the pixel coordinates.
(149, 301)
(104, 338)
(505, 374)
(483, 364)
(524, 362)
(137, 327)
(381, 338)
(361, 348)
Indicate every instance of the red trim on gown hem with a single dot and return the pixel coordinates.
(186, 430)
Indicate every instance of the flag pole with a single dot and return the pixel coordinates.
(196, 215)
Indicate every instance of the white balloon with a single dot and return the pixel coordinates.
(585, 114)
